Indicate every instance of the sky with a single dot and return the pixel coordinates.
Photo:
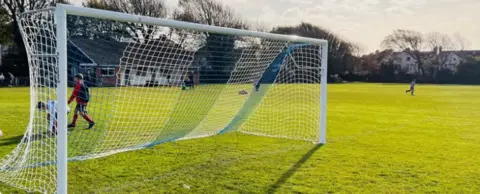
(366, 22)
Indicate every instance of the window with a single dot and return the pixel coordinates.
(408, 59)
(108, 71)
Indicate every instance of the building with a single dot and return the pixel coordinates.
(98, 60)
(109, 63)
(448, 60)
(403, 61)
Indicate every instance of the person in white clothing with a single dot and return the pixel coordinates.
(412, 87)
(51, 109)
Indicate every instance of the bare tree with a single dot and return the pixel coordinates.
(10, 32)
(218, 49)
(5, 27)
(455, 42)
(371, 63)
(208, 12)
(439, 43)
(12, 8)
(461, 41)
(261, 27)
(431, 51)
(341, 53)
(410, 42)
(151, 8)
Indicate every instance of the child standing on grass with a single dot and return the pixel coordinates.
(82, 96)
(412, 88)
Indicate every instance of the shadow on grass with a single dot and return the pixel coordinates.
(11, 140)
(17, 139)
(285, 176)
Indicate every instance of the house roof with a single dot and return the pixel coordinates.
(101, 51)
(462, 54)
(467, 53)
(160, 53)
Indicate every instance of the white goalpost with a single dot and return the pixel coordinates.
(153, 80)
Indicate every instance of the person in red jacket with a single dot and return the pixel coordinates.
(82, 96)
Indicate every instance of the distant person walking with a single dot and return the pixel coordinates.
(12, 78)
(168, 80)
(101, 80)
(2, 78)
(191, 83)
(412, 88)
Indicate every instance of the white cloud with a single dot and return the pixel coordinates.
(304, 2)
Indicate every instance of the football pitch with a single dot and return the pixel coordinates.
(379, 140)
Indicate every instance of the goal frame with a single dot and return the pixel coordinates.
(60, 15)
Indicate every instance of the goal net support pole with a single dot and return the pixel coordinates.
(323, 95)
(62, 156)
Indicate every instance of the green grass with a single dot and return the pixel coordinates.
(379, 141)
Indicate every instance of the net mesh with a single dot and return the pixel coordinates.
(153, 84)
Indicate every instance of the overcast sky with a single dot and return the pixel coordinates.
(366, 22)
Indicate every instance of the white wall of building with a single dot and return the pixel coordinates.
(138, 78)
(405, 62)
(409, 65)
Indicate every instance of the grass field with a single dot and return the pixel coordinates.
(379, 141)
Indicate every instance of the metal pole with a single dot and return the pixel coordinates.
(61, 24)
(323, 95)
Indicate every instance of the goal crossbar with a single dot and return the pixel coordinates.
(124, 17)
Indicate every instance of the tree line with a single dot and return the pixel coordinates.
(430, 57)
(344, 59)
(209, 12)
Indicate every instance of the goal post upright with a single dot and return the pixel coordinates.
(323, 94)
(62, 157)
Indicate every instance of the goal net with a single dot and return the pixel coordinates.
(152, 81)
